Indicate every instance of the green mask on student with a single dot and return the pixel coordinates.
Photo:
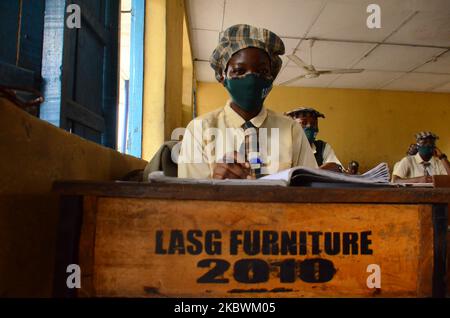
(426, 151)
(250, 91)
(311, 133)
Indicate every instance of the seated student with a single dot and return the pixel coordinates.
(427, 162)
(324, 153)
(246, 62)
(412, 150)
(353, 167)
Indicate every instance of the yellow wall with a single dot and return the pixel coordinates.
(188, 76)
(174, 65)
(154, 77)
(33, 155)
(167, 73)
(369, 126)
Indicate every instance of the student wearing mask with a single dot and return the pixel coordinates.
(427, 162)
(353, 167)
(412, 150)
(246, 62)
(308, 119)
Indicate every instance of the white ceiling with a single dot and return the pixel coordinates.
(411, 51)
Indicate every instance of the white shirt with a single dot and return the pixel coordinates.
(328, 154)
(393, 170)
(412, 167)
(293, 146)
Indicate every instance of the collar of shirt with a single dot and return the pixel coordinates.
(420, 161)
(235, 120)
(313, 147)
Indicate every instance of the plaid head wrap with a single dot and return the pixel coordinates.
(425, 134)
(241, 36)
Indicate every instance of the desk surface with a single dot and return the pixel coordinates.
(253, 193)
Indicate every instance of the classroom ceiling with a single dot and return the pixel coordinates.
(411, 50)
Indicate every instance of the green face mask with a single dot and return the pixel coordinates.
(311, 134)
(250, 91)
(426, 151)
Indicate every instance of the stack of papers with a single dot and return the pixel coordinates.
(380, 173)
(303, 176)
(297, 176)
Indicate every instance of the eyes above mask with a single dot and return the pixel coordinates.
(249, 91)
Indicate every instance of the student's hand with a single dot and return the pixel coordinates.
(425, 179)
(331, 166)
(235, 170)
(437, 152)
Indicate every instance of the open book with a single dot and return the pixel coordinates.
(298, 176)
(302, 176)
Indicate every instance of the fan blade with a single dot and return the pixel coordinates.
(292, 80)
(341, 71)
(300, 63)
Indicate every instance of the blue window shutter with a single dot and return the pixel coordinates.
(82, 74)
(134, 114)
(31, 36)
(21, 31)
(9, 17)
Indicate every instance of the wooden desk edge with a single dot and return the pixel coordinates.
(252, 193)
(72, 192)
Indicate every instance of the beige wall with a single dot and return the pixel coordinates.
(369, 126)
(34, 155)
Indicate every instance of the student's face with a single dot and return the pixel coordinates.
(353, 169)
(307, 120)
(412, 150)
(249, 60)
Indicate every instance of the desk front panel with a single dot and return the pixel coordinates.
(157, 248)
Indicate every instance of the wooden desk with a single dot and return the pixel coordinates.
(158, 240)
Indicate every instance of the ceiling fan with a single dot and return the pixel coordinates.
(311, 71)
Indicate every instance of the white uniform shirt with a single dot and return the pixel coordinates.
(413, 167)
(328, 154)
(293, 146)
